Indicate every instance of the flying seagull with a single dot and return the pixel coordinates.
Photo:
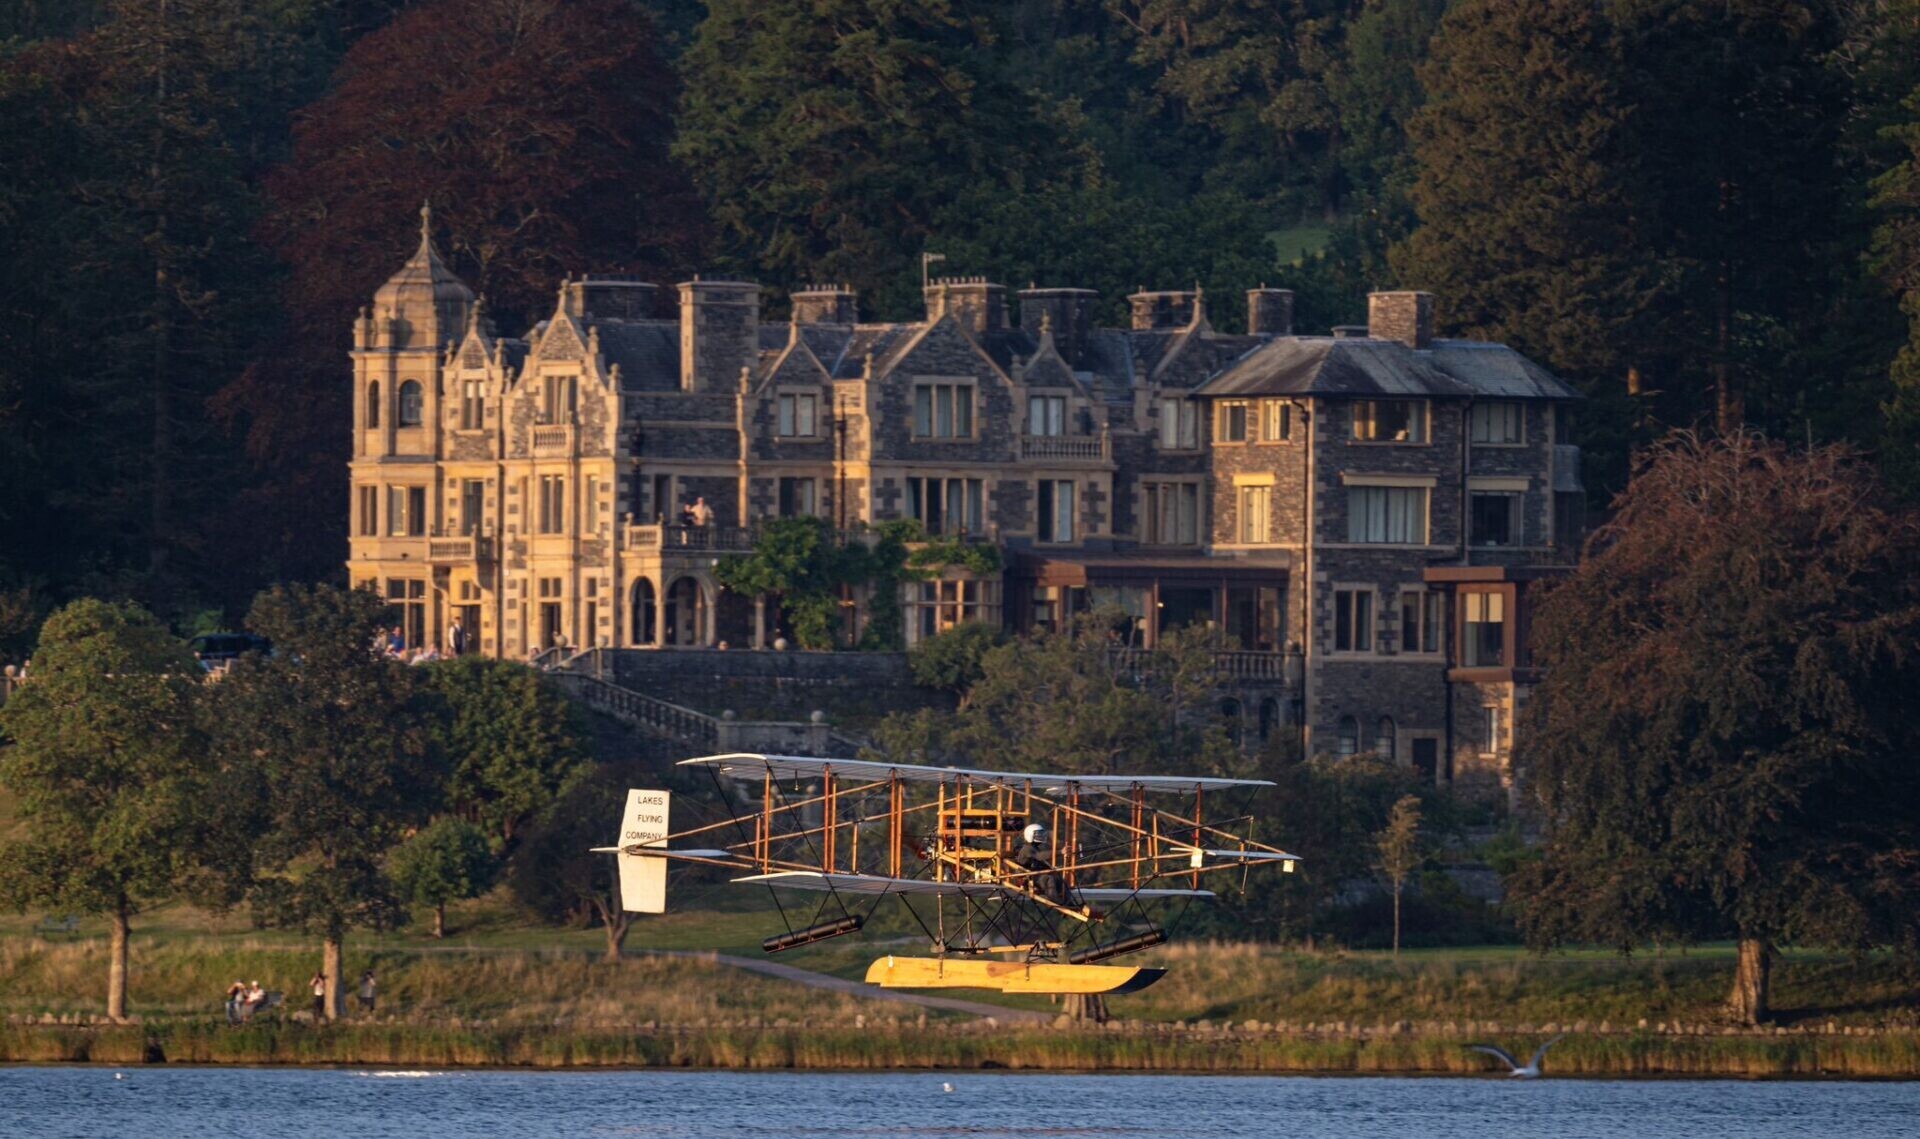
(1531, 1071)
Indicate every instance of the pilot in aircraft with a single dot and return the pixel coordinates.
(1045, 882)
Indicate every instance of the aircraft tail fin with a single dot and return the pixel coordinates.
(643, 880)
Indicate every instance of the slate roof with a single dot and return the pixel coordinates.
(1363, 367)
(648, 352)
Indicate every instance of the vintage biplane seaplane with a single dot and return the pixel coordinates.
(1022, 882)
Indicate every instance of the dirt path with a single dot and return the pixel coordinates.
(860, 988)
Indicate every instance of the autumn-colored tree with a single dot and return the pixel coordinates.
(1722, 744)
(538, 129)
(1397, 851)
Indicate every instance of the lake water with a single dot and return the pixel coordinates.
(161, 1103)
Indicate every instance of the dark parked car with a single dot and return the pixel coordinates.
(212, 648)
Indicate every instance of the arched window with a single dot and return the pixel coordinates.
(1383, 737)
(1348, 741)
(373, 404)
(1230, 712)
(409, 404)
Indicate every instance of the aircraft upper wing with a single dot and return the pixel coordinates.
(754, 765)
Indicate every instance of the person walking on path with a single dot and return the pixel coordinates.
(369, 989)
(236, 995)
(319, 986)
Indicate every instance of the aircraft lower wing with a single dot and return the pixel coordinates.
(662, 852)
(870, 884)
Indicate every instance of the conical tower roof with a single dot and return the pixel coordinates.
(427, 298)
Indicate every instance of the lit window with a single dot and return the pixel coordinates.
(1276, 420)
(1179, 424)
(410, 404)
(943, 411)
(1494, 518)
(941, 605)
(798, 415)
(1485, 636)
(1256, 520)
(1056, 510)
(1230, 420)
(1353, 620)
(1499, 423)
(1395, 515)
(1390, 421)
(1046, 415)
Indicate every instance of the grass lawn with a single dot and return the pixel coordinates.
(495, 965)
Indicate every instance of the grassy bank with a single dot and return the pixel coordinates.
(913, 1047)
(502, 992)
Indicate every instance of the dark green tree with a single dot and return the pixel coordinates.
(449, 861)
(1527, 197)
(829, 138)
(109, 770)
(1896, 249)
(341, 757)
(555, 872)
(512, 739)
(1722, 743)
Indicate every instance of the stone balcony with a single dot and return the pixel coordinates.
(691, 539)
(1071, 448)
(553, 439)
(459, 550)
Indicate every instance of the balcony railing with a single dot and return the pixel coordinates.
(1097, 448)
(464, 549)
(553, 439)
(1233, 664)
(667, 539)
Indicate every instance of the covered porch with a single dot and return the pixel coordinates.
(1243, 599)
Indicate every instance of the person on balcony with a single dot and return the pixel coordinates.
(702, 514)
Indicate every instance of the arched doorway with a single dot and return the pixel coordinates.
(686, 615)
(644, 613)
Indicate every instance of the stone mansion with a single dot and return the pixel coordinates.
(1361, 514)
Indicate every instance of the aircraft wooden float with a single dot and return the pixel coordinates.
(1023, 882)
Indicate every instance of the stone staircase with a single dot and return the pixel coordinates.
(585, 678)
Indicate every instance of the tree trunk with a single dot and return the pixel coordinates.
(617, 922)
(1088, 1007)
(440, 919)
(332, 953)
(1750, 981)
(1396, 919)
(117, 964)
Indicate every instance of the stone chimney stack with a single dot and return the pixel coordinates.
(1270, 311)
(979, 305)
(826, 304)
(719, 333)
(1167, 309)
(1068, 312)
(1403, 316)
(611, 298)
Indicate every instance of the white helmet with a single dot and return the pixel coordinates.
(1034, 833)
